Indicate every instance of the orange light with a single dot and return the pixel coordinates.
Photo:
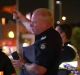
(9, 9)
(1, 73)
(3, 21)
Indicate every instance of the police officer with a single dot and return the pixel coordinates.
(47, 44)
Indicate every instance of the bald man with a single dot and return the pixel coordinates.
(47, 44)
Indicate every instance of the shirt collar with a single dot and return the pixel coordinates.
(43, 33)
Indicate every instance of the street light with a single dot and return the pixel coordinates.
(58, 2)
(63, 18)
(60, 10)
(11, 34)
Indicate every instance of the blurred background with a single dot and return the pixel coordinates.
(13, 34)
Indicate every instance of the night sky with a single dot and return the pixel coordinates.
(70, 8)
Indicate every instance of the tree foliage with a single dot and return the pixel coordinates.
(76, 38)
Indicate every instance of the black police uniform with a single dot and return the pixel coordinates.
(5, 64)
(47, 50)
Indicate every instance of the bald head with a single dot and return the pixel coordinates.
(43, 14)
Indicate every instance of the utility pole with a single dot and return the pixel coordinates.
(51, 7)
(59, 3)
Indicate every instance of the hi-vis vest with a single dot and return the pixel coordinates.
(74, 62)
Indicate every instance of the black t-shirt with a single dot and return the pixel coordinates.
(5, 64)
(68, 53)
(47, 50)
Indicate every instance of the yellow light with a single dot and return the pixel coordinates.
(64, 18)
(1, 73)
(58, 2)
(11, 34)
(6, 50)
(3, 21)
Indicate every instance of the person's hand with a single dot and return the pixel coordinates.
(18, 63)
(22, 61)
(18, 15)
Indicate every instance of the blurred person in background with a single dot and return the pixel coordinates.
(69, 52)
(47, 44)
(6, 66)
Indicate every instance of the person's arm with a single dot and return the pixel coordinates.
(35, 69)
(25, 21)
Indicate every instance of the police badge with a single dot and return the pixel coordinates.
(43, 46)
